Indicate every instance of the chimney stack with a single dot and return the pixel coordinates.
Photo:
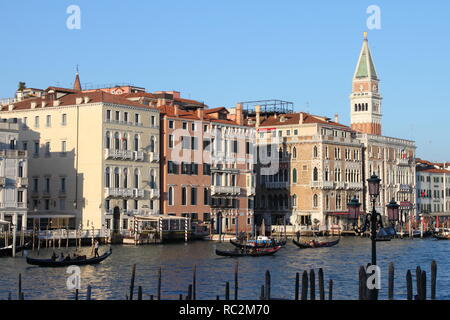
(336, 118)
(301, 118)
(200, 113)
(175, 109)
(239, 114)
(258, 117)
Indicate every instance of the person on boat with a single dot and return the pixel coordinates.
(54, 256)
(96, 249)
(61, 258)
(297, 234)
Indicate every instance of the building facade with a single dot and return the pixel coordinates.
(13, 177)
(93, 158)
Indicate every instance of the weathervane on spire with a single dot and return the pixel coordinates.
(77, 68)
(365, 35)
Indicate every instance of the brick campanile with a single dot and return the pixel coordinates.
(365, 99)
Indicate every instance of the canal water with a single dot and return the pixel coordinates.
(111, 279)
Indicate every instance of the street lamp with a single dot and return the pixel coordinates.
(392, 210)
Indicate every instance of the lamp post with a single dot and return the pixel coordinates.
(373, 220)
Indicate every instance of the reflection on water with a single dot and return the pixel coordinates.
(111, 279)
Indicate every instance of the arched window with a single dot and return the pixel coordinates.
(108, 140)
(107, 178)
(125, 141)
(116, 141)
(315, 201)
(315, 175)
(116, 178)
(315, 152)
(294, 175)
(171, 200)
(327, 174)
(294, 201)
(136, 142)
(152, 179)
(125, 178)
(136, 178)
(294, 152)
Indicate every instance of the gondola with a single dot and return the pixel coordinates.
(383, 239)
(247, 244)
(317, 244)
(441, 236)
(248, 253)
(72, 262)
(7, 251)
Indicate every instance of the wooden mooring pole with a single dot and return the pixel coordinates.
(321, 285)
(305, 285)
(409, 286)
(236, 280)
(267, 286)
(312, 285)
(433, 279)
(297, 283)
(133, 274)
(391, 281)
(159, 284)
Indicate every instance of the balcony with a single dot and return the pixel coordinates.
(154, 193)
(10, 204)
(118, 193)
(118, 154)
(277, 185)
(405, 188)
(138, 193)
(322, 184)
(2, 181)
(340, 185)
(403, 162)
(354, 185)
(62, 193)
(138, 155)
(22, 182)
(13, 154)
(215, 190)
(251, 191)
(154, 157)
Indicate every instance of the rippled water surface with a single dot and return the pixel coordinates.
(111, 279)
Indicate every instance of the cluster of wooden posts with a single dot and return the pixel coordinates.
(308, 284)
(421, 283)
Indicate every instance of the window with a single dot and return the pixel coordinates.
(36, 122)
(136, 178)
(171, 201)
(294, 152)
(48, 121)
(172, 167)
(125, 116)
(185, 125)
(63, 148)
(235, 146)
(207, 169)
(117, 117)
(152, 144)
(193, 196)
(20, 174)
(193, 126)
(185, 142)
(108, 115)
(35, 184)
(47, 149)
(64, 119)
(205, 196)
(62, 204)
(183, 196)
(63, 184)
(47, 204)
(136, 142)
(47, 184)
(315, 174)
(171, 126)
(194, 143)
(294, 175)
(136, 118)
(152, 121)
(315, 201)
(25, 146)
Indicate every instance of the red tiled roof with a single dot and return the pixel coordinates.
(192, 115)
(70, 99)
(433, 170)
(294, 118)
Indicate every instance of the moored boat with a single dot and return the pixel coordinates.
(64, 263)
(254, 252)
(257, 244)
(7, 251)
(441, 236)
(315, 244)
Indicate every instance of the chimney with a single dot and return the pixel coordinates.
(175, 109)
(301, 118)
(200, 113)
(239, 114)
(336, 118)
(258, 117)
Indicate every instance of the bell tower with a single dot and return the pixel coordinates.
(365, 100)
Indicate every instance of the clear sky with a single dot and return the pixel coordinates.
(223, 52)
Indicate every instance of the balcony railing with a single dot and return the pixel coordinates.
(154, 157)
(405, 188)
(322, 184)
(277, 185)
(354, 185)
(118, 154)
(340, 185)
(9, 204)
(154, 193)
(22, 182)
(13, 154)
(225, 190)
(118, 193)
(138, 155)
(251, 191)
(402, 162)
(138, 193)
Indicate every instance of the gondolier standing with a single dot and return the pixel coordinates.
(96, 249)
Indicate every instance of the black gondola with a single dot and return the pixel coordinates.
(316, 244)
(245, 244)
(7, 251)
(72, 262)
(441, 236)
(248, 252)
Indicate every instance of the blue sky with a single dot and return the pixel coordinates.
(223, 52)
